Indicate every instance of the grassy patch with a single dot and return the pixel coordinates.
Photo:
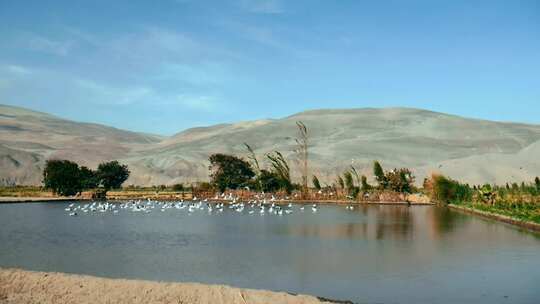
(524, 212)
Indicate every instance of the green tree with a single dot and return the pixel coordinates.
(379, 175)
(112, 174)
(62, 177)
(230, 172)
(537, 183)
(400, 180)
(316, 183)
(88, 178)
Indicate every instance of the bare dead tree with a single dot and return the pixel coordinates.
(302, 151)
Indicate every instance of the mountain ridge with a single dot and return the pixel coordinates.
(424, 140)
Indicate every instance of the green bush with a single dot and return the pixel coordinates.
(178, 187)
(269, 181)
(445, 190)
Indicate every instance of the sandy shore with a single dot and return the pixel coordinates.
(20, 286)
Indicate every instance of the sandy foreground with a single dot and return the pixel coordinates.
(20, 286)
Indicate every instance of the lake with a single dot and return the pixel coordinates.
(372, 254)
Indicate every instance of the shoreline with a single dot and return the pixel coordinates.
(37, 199)
(531, 226)
(15, 200)
(23, 286)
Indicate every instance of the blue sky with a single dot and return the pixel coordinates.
(163, 66)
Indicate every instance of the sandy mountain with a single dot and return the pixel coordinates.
(472, 150)
(28, 138)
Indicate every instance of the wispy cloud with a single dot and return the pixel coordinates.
(17, 70)
(41, 43)
(106, 94)
(198, 103)
(154, 44)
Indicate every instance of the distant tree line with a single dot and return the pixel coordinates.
(230, 172)
(67, 178)
(233, 172)
(352, 184)
(448, 191)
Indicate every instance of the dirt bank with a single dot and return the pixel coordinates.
(19, 286)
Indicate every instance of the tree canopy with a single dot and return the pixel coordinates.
(66, 178)
(269, 181)
(379, 175)
(112, 174)
(230, 172)
(88, 178)
(62, 177)
(400, 180)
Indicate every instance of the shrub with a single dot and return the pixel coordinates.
(269, 181)
(365, 186)
(445, 190)
(202, 187)
(280, 167)
(178, 187)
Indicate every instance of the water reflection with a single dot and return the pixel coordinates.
(396, 222)
(365, 222)
(445, 221)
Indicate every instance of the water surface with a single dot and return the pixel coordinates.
(373, 254)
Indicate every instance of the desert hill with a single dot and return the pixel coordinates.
(472, 150)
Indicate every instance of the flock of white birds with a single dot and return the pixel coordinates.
(146, 206)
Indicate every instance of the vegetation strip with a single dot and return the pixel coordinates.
(499, 217)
